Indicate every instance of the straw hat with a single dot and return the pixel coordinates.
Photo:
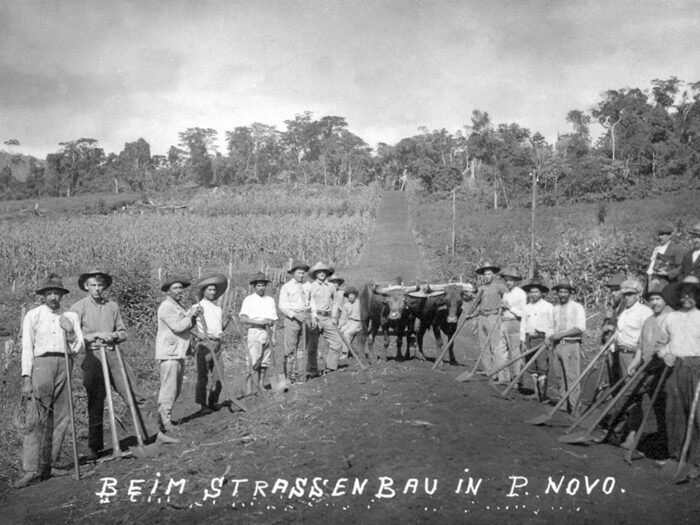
(260, 277)
(488, 265)
(94, 272)
(511, 271)
(320, 266)
(172, 279)
(52, 282)
(217, 279)
(564, 283)
(536, 282)
(296, 265)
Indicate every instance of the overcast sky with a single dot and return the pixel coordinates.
(118, 70)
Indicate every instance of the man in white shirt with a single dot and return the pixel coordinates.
(536, 327)
(48, 333)
(629, 326)
(294, 305)
(259, 313)
(512, 305)
(569, 326)
(208, 331)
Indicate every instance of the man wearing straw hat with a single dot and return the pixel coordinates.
(680, 348)
(259, 313)
(210, 327)
(172, 343)
(569, 326)
(512, 305)
(536, 328)
(294, 305)
(102, 326)
(48, 334)
(488, 309)
(322, 303)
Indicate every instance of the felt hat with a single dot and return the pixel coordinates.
(488, 265)
(659, 288)
(616, 280)
(351, 289)
(94, 272)
(536, 282)
(336, 279)
(175, 278)
(511, 271)
(664, 229)
(631, 286)
(260, 277)
(695, 229)
(678, 289)
(564, 283)
(296, 265)
(319, 266)
(217, 279)
(52, 282)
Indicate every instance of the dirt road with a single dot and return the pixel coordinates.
(399, 443)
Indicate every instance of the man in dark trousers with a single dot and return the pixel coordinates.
(691, 260)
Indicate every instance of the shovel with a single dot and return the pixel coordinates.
(72, 415)
(465, 376)
(591, 408)
(542, 419)
(348, 346)
(681, 471)
(140, 451)
(116, 451)
(542, 348)
(451, 340)
(638, 435)
(280, 385)
(587, 435)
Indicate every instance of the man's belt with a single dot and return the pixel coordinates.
(570, 340)
(50, 354)
(626, 349)
(489, 312)
(324, 314)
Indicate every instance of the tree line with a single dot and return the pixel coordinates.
(650, 142)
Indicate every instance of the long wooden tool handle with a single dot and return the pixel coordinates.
(110, 405)
(596, 404)
(689, 430)
(487, 342)
(76, 464)
(449, 342)
(542, 348)
(638, 435)
(515, 360)
(130, 398)
(360, 362)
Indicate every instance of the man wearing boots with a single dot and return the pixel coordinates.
(629, 326)
(488, 304)
(536, 328)
(323, 311)
(259, 313)
(294, 305)
(512, 305)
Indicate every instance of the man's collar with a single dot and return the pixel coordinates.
(103, 300)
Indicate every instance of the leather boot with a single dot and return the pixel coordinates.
(542, 388)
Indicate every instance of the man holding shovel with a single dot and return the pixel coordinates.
(536, 328)
(259, 313)
(629, 327)
(47, 335)
(680, 348)
(103, 328)
(512, 305)
(488, 309)
(294, 305)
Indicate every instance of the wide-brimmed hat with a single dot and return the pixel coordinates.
(678, 289)
(488, 265)
(320, 266)
(296, 265)
(536, 282)
(52, 282)
(259, 277)
(336, 279)
(351, 289)
(694, 229)
(616, 280)
(631, 286)
(217, 279)
(175, 278)
(664, 229)
(94, 272)
(564, 282)
(510, 271)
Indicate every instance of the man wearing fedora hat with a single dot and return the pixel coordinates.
(259, 313)
(514, 300)
(487, 307)
(629, 326)
(690, 264)
(48, 334)
(666, 258)
(102, 326)
(680, 348)
(172, 343)
(208, 332)
(294, 305)
(536, 328)
(569, 326)
(323, 312)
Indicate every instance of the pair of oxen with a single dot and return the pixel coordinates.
(408, 311)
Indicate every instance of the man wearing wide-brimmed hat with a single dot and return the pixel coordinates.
(48, 334)
(350, 322)
(512, 305)
(680, 348)
(172, 343)
(323, 309)
(487, 307)
(666, 258)
(259, 313)
(691, 260)
(210, 327)
(629, 326)
(536, 328)
(569, 327)
(294, 305)
(103, 327)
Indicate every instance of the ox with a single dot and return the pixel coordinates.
(384, 306)
(439, 307)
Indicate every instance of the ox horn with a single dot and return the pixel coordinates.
(388, 288)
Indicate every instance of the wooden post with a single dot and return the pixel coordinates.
(454, 219)
(160, 270)
(532, 225)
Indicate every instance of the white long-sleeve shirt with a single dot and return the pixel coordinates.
(537, 317)
(294, 298)
(213, 317)
(629, 324)
(516, 299)
(42, 334)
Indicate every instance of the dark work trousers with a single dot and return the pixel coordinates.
(205, 368)
(680, 389)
